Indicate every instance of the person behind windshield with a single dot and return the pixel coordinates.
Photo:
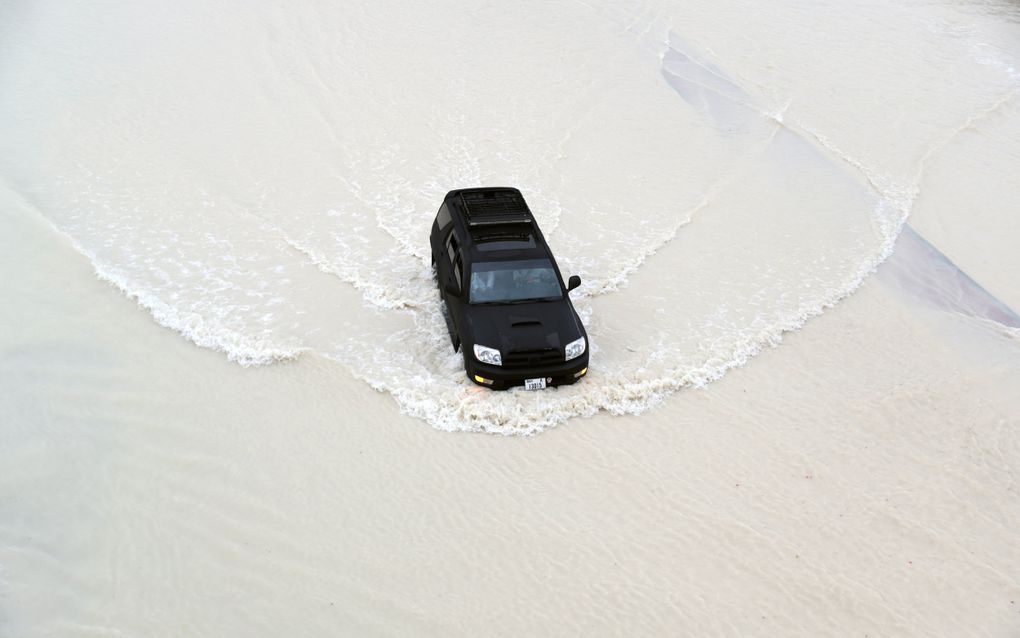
(482, 284)
(514, 281)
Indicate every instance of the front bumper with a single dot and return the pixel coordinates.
(564, 373)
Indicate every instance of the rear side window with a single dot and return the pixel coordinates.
(443, 219)
(451, 246)
(458, 271)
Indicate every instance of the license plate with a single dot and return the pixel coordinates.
(534, 384)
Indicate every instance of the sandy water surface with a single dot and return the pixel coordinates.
(259, 181)
(262, 180)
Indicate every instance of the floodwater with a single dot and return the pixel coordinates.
(233, 431)
(263, 180)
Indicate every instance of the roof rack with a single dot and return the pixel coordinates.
(496, 233)
(485, 208)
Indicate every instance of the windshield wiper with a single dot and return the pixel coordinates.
(533, 300)
(511, 302)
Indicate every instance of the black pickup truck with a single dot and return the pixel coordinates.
(506, 302)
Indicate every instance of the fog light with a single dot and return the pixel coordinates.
(486, 381)
(581, 372)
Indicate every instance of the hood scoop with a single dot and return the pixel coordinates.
(517, 321)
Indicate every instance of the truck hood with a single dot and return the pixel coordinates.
(525, 326)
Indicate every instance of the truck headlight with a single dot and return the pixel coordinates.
(575, 348)
(488, 355)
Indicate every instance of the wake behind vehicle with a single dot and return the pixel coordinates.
(507, 307)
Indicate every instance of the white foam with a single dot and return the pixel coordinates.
(240, 348)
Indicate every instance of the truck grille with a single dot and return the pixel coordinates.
(531, 358)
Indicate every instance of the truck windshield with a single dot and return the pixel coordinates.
(508, 281)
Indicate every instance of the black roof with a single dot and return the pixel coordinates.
(497, 214)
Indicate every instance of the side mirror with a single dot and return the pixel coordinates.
(573, 282)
